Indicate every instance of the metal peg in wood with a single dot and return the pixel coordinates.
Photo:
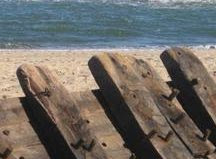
(167, 137)
(78, 144)
(174, 93)
(151, 134)
(6, 154)
(46, 92)
(88, 147)
(177, 118)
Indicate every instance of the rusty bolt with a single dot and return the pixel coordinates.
(6, 153)
(88, 147)
(78, 144)
(174, 93)
(151, 134)
(167, 137)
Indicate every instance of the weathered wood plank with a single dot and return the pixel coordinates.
(20, 135)
(100, 125)
(11, 112)
(40, 84)
(135, 110)
(17, 132)
(197, 88)
(30, 152)
(91, 111)
(164, 98)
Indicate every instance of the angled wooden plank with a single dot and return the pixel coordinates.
(132, 105)
(90, 109)
(98, 122)
(20, 135)
(30, 152)
(198, 89)
(40, 84)
(17, 132)
(164, 98)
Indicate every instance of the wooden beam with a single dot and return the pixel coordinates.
(91, 110)
(11, 112)
(197, 87)
(120, 79)
(41, 85)
(16, 130)
(20, 135)
(30, 152)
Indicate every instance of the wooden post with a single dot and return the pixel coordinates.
(40, 84)
(198, 89)
(120, 79)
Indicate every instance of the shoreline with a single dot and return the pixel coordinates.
(71, 66)
(196, 48)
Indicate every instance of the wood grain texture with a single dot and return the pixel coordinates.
(91, 110)
(100, 125)
(11, 112)
(40, 84)
(198, 89)
(18, 133)
(134, 107)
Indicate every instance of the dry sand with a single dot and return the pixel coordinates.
(72, 66)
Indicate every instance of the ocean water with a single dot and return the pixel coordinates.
(63, 24)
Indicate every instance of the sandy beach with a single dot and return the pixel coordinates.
(72, 66)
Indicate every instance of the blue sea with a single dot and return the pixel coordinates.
(78, 24)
